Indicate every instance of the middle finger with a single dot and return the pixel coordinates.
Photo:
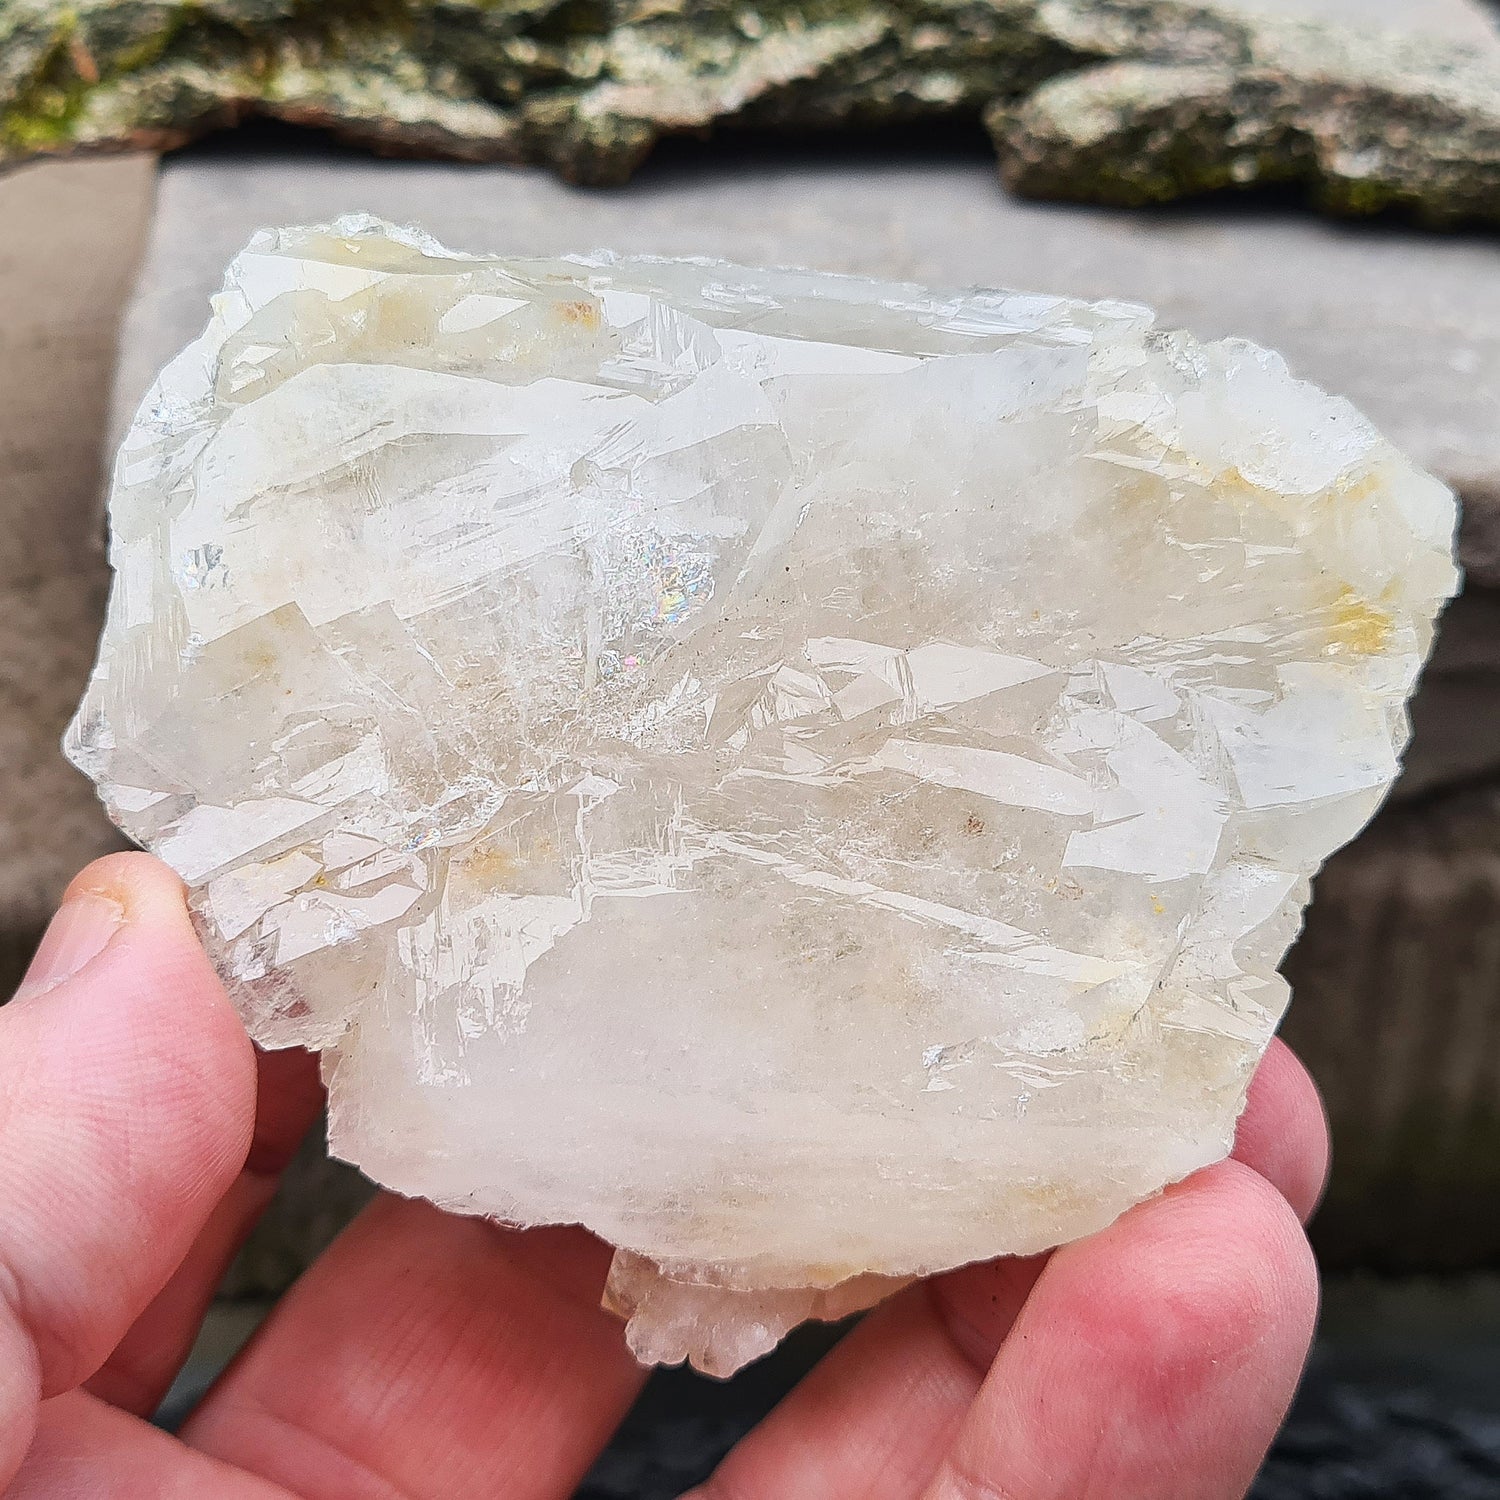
(872, 1419)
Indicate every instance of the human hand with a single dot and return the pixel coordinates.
(431, 1357)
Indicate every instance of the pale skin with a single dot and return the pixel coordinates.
(429, 1357)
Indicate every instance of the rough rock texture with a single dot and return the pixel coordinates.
(1224, 100)
(810, 778)
(1123, 101)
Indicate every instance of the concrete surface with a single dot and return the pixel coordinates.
(70, 237)
(1407, 325)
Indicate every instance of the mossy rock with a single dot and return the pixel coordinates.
(1120, 101)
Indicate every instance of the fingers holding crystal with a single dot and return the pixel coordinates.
(1154, 1359)
(122, 1020)
(142, 1366)
(431, 1355)
(874, 1418)
(1283, 1132)
(126, 1106)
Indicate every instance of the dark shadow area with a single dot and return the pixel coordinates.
(1352, 1438)
(730, 150)
(1401, 1402)
(683, 1423)
(16, 949)
(259, 136)
(1281, 200)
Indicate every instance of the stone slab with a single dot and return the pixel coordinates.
(70, 235)
(1407, 325)
(1396, 1010)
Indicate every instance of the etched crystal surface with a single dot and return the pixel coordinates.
(809, 778)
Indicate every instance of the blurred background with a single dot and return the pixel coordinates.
(1335, 194)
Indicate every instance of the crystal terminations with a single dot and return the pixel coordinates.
(810, 778)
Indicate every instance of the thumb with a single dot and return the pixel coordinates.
(127, 1099)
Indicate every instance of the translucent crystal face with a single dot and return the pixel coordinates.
(810, 778)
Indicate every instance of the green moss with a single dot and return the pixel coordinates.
(333, 24)
(47, 107)
(867, 61)
(153, 46)
(1360, 196)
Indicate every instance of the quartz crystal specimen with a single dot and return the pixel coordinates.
(809, 778)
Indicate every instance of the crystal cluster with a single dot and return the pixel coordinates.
(807, 777)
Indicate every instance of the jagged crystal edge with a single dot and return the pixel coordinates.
(809, 777)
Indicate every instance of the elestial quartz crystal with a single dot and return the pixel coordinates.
(810, 778)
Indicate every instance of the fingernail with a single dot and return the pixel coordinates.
(78, 934)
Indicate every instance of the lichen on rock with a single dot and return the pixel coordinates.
(1365, 123)
(1116, 100)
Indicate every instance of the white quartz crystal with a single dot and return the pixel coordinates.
(809, 778)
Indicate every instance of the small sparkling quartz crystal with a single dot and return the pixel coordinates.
(810, 778)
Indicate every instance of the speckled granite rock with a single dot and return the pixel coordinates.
(1191, 99)
(1122, 101)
